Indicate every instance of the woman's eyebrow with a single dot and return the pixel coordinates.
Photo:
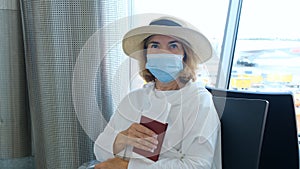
(154, 42)
(174, 41)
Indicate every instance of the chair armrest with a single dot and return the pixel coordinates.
(89, 165)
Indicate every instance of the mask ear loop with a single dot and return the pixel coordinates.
(184, 60)
(184, 57)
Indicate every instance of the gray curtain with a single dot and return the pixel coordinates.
(55, 31)
(15, 139)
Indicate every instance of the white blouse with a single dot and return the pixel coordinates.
(193, 136)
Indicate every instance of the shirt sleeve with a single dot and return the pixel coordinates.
(125, 115)
(103, 147)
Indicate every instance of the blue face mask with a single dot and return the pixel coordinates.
(165, 67)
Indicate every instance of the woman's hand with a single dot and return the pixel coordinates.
(137, 136)
(114, 163)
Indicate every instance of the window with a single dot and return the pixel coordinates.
(267, 53)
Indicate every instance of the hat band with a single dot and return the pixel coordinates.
(165, 22)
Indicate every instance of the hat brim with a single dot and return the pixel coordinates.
(133, 40)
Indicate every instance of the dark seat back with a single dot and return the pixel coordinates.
(280, 141)
(242, 127)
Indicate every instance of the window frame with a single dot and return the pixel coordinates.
(229, 43)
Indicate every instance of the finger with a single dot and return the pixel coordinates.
(152, 140)
(139, 131)
(142, 129)
(145, 130)
(137, 134)
(147, 144)
(143, 139)
(144, 145)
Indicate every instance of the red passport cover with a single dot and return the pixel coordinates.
(160, 129)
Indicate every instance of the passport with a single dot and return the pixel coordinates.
(160, 129)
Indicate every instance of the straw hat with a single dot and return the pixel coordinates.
(133, 40)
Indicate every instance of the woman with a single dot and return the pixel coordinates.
(168, 51)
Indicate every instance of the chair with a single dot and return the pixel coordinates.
(280, 142)
(242, 127)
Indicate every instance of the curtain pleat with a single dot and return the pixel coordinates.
(55, 32)
(15, 138)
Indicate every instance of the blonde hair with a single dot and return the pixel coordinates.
(190, 61)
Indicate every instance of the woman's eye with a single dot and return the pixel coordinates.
(173, 46)
(153, 46)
